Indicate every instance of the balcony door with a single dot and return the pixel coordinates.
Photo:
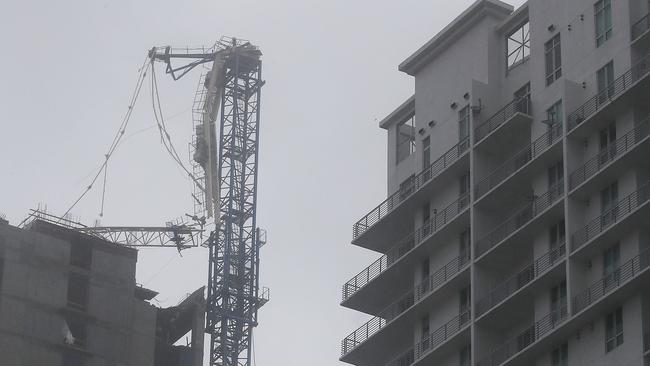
(611, 263)
(607, 139)
(608, 204)
(522, 99)
(556, 239)
(605, 80)
(558, 302)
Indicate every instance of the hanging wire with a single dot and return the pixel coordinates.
(120, 132)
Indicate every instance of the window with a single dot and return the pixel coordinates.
(75, 333)
(465, 356)
(426, 271)
(611, 271)
(614, 329)
(464, 184)
(608, 204)
(607, 139)
(405, 139)
(464, 246)
(425, 333)
(558, 302)
(80, 253)
(518, 46)
(522, 99)
(464, 304)
(406, 187)
(553, 56)
(603, 20)
(560, 355)
(557, 236)
(463, 123)
(426, 219)
(426, 154)
(605, 80)
(78, 286)
(555, 181)
(554, 117)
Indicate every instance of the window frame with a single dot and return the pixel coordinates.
(553, 48)
(560, 355)
(603, 13)
(614, 335)
(402, 140)
(522, 44)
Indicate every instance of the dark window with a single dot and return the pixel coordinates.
(558, 302)
(603, 20)
(608, 204)
(605, 81)
(463, 123)
(425, 327)
(78, 286)
(464, 304)
(611, 270)
(554, 117)
(81, 253)
(556, 240)
(560, 355)
(553, 52)
(518, 46)
(405, 139)
(426, 153)
(614, 329)
(464, 184)
(72, 358)
(464, 246)
(426, 219)
(522, 99)
(607, 137)
(406, 187)
(465, 357)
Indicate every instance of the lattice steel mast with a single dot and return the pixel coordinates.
(234, 85)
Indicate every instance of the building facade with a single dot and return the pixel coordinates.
(70, 299)
(516, 227)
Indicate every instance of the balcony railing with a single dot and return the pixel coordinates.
(623, 83)
(640, 27)
(379, 212)
(521, 279)
(615, 214)
(613, 150)
(434, 224)
(529, 336)
(522, 217)
(523, 157)
(405, 302)
(518, 105)
(612, 281)
(432, 340)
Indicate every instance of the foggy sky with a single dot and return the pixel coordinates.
(69, 67)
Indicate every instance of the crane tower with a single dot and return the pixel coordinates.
(227, 188)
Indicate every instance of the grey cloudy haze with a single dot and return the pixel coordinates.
(69, 67)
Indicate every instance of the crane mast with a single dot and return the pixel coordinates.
(232, 90)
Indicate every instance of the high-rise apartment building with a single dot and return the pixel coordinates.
(517, 225)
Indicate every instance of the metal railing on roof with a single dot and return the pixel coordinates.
(518, 105)
(520, 218)
(608, 154)
(612, 281)
(615, 214)
(522, 278)
(432, 340)
(640, 27)
(405, 245)
(620, 85)
(405, 302)
(448, 158)
(526, 338)
(518, 161)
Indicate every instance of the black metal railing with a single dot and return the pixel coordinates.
(433, 340)
(609, 153)
(434, 224)
(521, 279)
(612, 281)
(519, 160)
(615, 214)
(379, 212)
(640, 27)
(526, 338)
(623, 83)
(520, 218)
(405, 302)
(518, 105)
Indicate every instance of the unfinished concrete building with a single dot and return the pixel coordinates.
(70, 299)
(516, 227)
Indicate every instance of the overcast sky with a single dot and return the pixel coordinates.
(69, 67)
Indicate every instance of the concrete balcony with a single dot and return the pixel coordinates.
(392, 218)
(521, 226)
(510, 121)
(505, 353)
(515, 172)
(513, 293)
(395, 321)
(628, 214)
(386, 277)
(432, 346)
(640, 32)
(603, 107)
(612, 161)
(599, 289)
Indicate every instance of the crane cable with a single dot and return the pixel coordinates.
(165, 137)
(118, 136)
